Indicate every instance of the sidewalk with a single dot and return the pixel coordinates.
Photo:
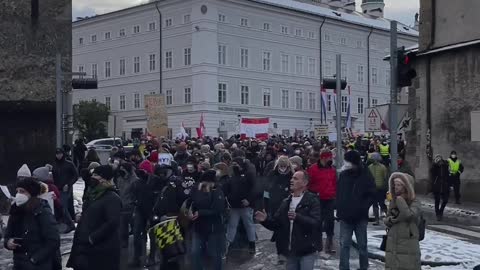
(437, 250)
(465, 213)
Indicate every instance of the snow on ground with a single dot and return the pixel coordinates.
(436, 247)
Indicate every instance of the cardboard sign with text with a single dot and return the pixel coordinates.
(157, 117)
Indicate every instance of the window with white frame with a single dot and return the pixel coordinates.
(311, 66)
(152, 26)
(221, 18)
(244, 95)
(94, 71)
(108, 35)
(122, 102)
(374, 102)
(188, 95)
(285, 63)
(374, 75)
(266, 97)
(244, 58)
(360, 73)
(266, 61)
(360, 105)
(266, 26)
(222, 54)
(244, 22)
(152, 62)
(122, 67)
(298, 32)
(311, 101)
(285, 99)
(107, 69)
(186, 18)
(136, 64)
(80, 41)
(108, 102)
(344, 104)
(81, 68)
(94, 38)
(387, 77)
(168, 22)
(136, 29)
(328, 68)
(285, 29)
(311, 35)
(168, 59)
(121, 33)
(344, 70)
(169, 97)
(299, 64)
(298, 100)
(222, 93)
(329, 102)
(326, 37)
(136, 101)
(187, 56)
(343, 41)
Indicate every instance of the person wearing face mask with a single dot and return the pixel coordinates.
(181, 155)
(125, 183)
(440, 185)
(96, 243)
(355, 194)
(31, 232)
(277, 190)
(64, 176)
(455, 168)
(323, 182)
(402, 249)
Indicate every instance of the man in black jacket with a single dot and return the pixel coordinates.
(296, 222)
(355, 194)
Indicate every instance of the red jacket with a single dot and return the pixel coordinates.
(323, 181)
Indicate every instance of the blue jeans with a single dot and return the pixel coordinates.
(301, 263)
(64, 199)
(213, 243)
(246, 214)
(346, 232)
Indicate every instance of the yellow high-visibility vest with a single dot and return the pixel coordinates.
(454, 166)
(384, 150)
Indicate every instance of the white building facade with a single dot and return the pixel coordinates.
(228, 59)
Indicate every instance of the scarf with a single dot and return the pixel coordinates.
(94, 193)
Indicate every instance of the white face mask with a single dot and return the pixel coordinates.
(282, 170)
(21, 199)
(346, 166)
(297, 152)
(454, 156)
(218, 174)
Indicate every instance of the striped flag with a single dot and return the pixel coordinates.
(323, 99)
(349, 115)
(201, 130)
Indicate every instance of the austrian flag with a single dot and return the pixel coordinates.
(254, 128)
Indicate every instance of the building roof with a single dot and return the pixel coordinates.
(351, 17)
(451, 47)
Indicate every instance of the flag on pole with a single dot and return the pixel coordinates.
(201, 129)
(254, 128)
(182, 134)
(349, 115)
(323, 97)
(335, 99)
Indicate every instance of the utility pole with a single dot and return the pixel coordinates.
(339, 111)
(393, 97)
(59, 103)
(160, 46)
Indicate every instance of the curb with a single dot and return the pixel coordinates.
(429, 263)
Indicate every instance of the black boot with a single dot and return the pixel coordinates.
(251, 247)
(329, 247)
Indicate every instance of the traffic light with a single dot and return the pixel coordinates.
(405, 72)
(84, 83)
(329, 83)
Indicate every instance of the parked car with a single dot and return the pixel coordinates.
(105, 143)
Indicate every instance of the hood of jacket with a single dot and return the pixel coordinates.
(407, 183)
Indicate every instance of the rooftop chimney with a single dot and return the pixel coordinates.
(373, 7)
(349, 6)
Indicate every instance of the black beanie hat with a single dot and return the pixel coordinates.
(30, 185)
(353, 157)
(208, 176)
(104, 171)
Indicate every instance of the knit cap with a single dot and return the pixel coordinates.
(24, 171)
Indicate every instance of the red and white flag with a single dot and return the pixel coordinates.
(201, 129)
(254, 128)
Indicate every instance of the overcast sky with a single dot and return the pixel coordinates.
(401, 10)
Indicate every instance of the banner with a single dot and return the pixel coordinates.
(157, 117)
(254, 128)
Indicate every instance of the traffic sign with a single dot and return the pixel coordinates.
(373, 121)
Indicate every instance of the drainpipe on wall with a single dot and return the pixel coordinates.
(320, 69)
(368, 67)
(429, 83)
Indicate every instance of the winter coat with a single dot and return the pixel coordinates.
(96, 244)
(403, 247)
(238, 188)
(181, 158)
(379, 173)
(126, 190)
(64, 173)
(308, 216)
(278, 188)
(211, 208)
(144, 197)
(170, 198)
(35, 223)
(440, 174)
(323, 181)
(195, 176)
(355, 194)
